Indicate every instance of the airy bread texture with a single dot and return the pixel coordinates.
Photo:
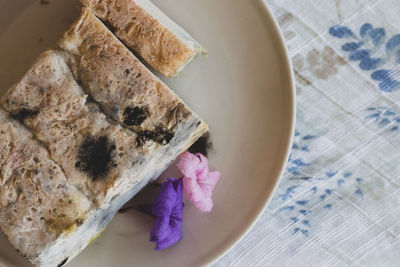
(163, 44)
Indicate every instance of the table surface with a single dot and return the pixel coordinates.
(338, 203)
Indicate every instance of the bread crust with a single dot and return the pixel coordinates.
(162, 49)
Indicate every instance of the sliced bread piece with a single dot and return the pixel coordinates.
(143, 27)
(39, 208)
(125, 89)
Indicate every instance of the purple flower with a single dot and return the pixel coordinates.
(168, 209)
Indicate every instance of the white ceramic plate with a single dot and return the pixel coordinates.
(244, 90)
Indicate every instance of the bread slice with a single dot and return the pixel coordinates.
(38, 206)
(143, 27)
(125, 89)
(51, 103)
(107, 163)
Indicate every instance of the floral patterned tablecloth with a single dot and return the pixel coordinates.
(338, 203)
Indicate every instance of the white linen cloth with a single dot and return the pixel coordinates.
(338, 203)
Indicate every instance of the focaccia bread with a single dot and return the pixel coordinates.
(38, 206)
(143, 27)
(126, 90)
(107, 163)
(99, 160)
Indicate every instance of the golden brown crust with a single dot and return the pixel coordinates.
(157, 45)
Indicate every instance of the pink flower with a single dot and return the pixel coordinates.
(198, 181)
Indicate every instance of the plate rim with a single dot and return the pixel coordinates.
(287, 65)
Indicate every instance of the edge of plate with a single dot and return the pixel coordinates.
(284, 53)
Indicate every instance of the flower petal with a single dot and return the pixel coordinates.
(196, 195)
(198, 181)
(177, 184)
(192, 189)
(161, 229)
(168, 208)
(202, 168)
(177, 212)
(190, 164)
(174, 236)
(166, 200)
(209, 184)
